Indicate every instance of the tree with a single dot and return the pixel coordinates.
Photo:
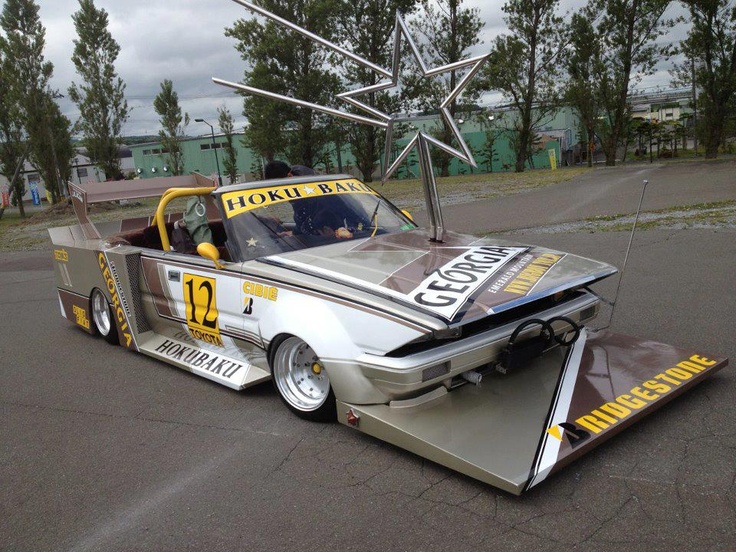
(523, 67)
(13, 146)
(50, 141)
(167, 107)
(230, 162)
(584, 67)
(369, 25)
(627, 31)
(683, 128)
(100, 99)
(710, 49)
(27, 77)
(448, 31)
(282, 61)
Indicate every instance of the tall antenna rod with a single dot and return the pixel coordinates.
(626, 258)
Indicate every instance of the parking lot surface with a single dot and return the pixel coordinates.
(103, 449)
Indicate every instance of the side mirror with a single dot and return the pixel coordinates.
(209, 251)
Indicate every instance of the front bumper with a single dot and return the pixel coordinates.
(381, 379)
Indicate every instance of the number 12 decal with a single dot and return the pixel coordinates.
(201, 302)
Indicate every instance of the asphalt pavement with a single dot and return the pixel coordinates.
(103, 449)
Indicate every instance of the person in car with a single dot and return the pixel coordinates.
(312, 216)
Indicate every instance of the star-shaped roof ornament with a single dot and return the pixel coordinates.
(421, 140)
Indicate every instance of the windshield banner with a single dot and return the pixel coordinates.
(242, 201)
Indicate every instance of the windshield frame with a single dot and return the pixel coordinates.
(253, 232)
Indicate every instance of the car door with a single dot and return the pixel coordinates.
(186, 298)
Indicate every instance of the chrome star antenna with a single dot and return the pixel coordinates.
(421, 140)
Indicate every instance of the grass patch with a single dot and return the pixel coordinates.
(700, 215)
(18, 234)
(471, 187)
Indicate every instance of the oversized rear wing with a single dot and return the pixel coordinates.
(83, 195)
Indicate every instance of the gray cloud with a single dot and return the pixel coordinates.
(180, 40)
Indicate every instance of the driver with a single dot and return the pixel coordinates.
(312, 216)
(318, 217)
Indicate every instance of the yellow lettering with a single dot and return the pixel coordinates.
(605, 417)
(119, 313)
(260, 290)
(638, 397)
(616, 409)
(549, 258)
(517, 287)
(592, 423)
(667, 379)
(81, 316)
(631, 402)
(678, 373)
(646, 395)
(702, 360)
(656, 386)
(247, 200)
(214, 339)
(694, 368)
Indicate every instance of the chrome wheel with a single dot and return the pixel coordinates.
(301, 380)
(101, 316)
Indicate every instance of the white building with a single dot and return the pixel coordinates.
(82, 171)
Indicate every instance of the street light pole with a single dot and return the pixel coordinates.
(214, 147)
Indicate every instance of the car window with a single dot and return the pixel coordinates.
(268, 220)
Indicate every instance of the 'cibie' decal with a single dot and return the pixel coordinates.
(201, 303)
(261, 290)
(117, 306)
(246, 200)
(448, 288)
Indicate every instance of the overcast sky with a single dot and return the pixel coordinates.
(183, 40)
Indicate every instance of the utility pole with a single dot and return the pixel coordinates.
(214, 147)
(695, 106)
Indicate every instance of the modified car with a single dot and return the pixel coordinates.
(472, 352)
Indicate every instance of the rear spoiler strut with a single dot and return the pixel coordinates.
(83, 195)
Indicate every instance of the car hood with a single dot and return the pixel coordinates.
(458, 280)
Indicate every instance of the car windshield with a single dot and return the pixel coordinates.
(287, 217)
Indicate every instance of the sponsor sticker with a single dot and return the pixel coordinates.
(198, 359)
(624, 405)
(246, 200)
(61, 255)
(449, 287)
(117, 303)
(521, 278)
(261, 290)
(80, 316)
(201, 304)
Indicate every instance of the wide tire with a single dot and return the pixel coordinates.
(301, 381)
(102, 317)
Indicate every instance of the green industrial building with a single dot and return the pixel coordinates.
(488, 133)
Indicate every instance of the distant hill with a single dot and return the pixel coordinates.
(132, 140)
